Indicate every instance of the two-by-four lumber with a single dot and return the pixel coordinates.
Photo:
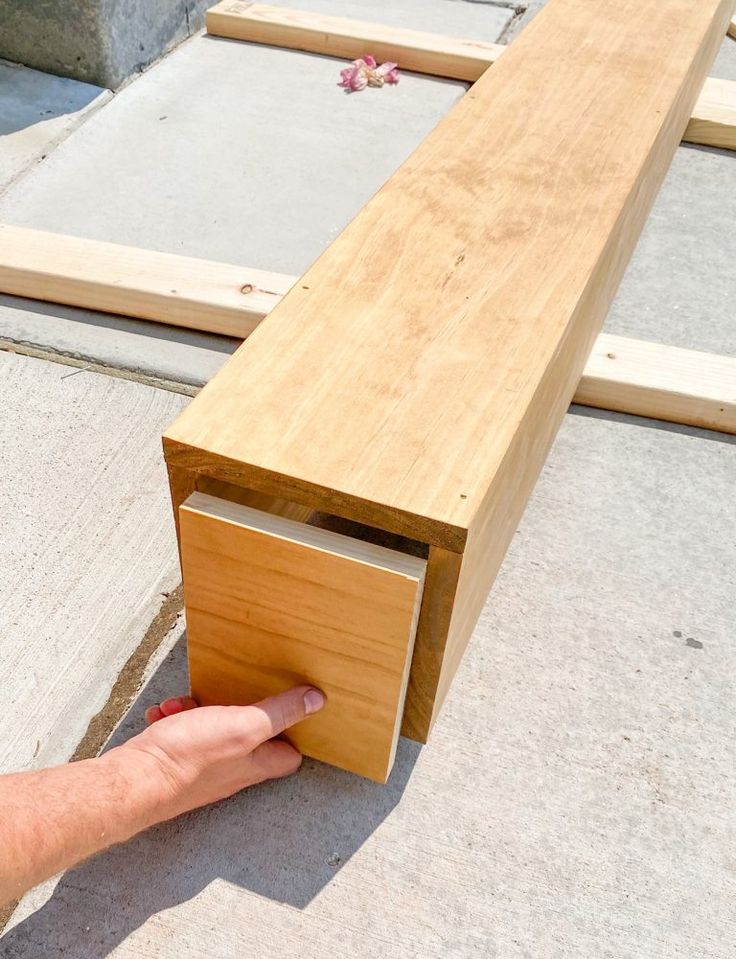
(415, 378)
(180, 290)
(211, 297)
(713, 121)
(662, 382)
(272, 603)
(344, 37)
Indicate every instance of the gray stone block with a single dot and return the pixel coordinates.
(99, 41)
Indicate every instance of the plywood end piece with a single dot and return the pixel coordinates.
(272, 603)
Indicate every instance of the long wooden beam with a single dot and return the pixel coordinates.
(415, 378)
(713, 120)
(165, 287)
(646, 379)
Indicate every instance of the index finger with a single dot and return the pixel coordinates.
(270, 717)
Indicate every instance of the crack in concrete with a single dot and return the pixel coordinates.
(85, 364)
(130, 678)
(124, 690)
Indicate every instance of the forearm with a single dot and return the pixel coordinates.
(54, 818)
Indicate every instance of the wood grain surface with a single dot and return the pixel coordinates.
(662, 382)
(272, 603)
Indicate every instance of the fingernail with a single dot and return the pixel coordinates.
(314, 700)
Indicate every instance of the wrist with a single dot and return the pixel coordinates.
(149, 793)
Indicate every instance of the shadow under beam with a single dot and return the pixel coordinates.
(644, 422)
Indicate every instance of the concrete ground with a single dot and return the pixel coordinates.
(576, 797)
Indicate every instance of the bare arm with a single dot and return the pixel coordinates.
(188, 757)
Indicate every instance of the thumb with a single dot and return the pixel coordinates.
(270, 717)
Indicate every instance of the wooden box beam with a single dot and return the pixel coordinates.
(415, 377)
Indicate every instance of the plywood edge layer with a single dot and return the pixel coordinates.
(414, 50)
(188, 463)
(661, 382)
(164, 287)
(315, 537)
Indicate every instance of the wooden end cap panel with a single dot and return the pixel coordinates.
(272, 603)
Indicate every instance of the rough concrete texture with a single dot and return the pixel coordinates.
(678, 288)
(100, 41)
(37, 112)
(576, 798)
(679, 285)
(87, 548)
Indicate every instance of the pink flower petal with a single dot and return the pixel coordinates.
(385, 68)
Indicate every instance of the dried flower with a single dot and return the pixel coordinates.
(365, 72)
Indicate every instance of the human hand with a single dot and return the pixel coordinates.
(206, 753)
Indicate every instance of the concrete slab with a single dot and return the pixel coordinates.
(233, 152)
(679, 286)
(725, 64)
(37, 112)
(576, 799)
(87, 548)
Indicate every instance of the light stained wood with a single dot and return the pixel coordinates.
(168, 288)
(732, 29)
(350, 39)
(272, 603)
(662, 382)
(713, 122)
(415, 378)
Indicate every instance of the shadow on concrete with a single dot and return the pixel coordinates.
(127, 324)
(702, 148)
(28, 97)
(285, 841)
(646, 423)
